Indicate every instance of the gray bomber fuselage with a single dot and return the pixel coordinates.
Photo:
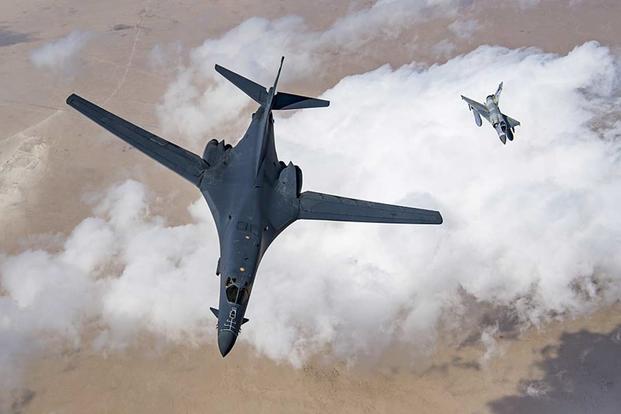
(252, 195)
(249, 174)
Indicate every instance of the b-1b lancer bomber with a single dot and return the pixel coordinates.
(252, 195)
(503, 124)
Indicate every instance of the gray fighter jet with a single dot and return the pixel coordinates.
(503, 124)
(252, 195)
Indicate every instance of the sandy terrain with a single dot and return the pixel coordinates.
(577, 354)
(49, 161)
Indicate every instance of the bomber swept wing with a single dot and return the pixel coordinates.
(312, 205)
(185, 163)
(318, 206)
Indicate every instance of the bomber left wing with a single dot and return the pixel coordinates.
(319, 206)
(185, 163)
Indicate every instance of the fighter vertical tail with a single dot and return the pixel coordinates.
(497, 94)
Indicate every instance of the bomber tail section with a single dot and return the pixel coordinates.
(270, 98)
(250, 88)
(284, 100)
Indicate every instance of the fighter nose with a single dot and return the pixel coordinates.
(226, 340)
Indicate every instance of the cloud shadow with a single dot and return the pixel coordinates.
(9, 37)
(581, 375)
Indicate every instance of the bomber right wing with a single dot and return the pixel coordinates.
(319, 206)
(480, 108)
(185, 163)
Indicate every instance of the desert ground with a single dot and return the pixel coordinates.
(50, 160)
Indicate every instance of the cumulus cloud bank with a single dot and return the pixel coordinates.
(119, 270)
(200, 101)
(61, 54)
(254, 48)
(532, 226)
(464, 28)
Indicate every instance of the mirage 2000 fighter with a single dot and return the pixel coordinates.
(503, 124)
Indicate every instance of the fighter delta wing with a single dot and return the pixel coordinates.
(477, 108)
(190, 166)
(252, 195)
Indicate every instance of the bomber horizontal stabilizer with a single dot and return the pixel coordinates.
(259, 93)
(284, 100)
(250, 88)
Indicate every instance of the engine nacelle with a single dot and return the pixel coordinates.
(290, 180)
(211, 146)
(298, 180)
(214, 150)
(285, 204)
(503, 126)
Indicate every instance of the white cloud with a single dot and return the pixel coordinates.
(166, 56)
(60, 55)
(526, 4)
(532, 226)
(524, 222)
(50, 295)
(443, 48)
(162, 285)
(464, 28)
(492, 348)
(253, 49)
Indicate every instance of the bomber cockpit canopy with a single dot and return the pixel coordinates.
(235, 294)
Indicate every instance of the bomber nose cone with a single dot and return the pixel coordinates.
(226, 340)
